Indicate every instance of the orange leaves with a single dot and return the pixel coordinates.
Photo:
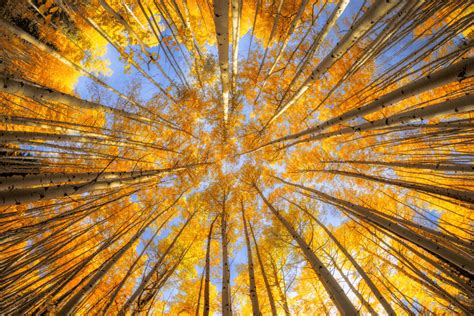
(370, 186)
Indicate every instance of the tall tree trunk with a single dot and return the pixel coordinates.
(221, 21)
(336, 293)
(226, 294)
(356, 265)
(130, 59)
(132, 267)
(267, 46)
(48, 50)
(21, 196)
(146, 278)
(252, 287)
(281, 292)
(73, 302)
(460, 104)
(456, 72)
(461, 195)
(459, 262)
(441, 166)
(53, 179)
(271, 300)
(293, 25)
(130, 270)
(375, 12)
(352, 287)
(236, 12)
(328, 26)
(207, 306)
(25, 89)
(270, 38)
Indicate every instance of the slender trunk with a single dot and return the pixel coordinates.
(207, 306)
(48, 50)
(198, 305)
(456, 72)
(356, 265)
(226, 295)
(252, 287)
(461, 263)
(130, 270)
(122, 21)
(352, 287)
(221, 21)
(236, 11)
(377, 11)
(253, 28)
(25, 89)
(458, 105)
(64, 135)
(132, 267)
(53, 179)
(284, 301)
(418, 276)
(127, 57)
(441, 166)
(328, 26)
(72, 303)
(146, 278)
(272, 33)
(271, 300)
(461, 195)
(21, 196)
(293, 25)
(267, 46)
(336, 293)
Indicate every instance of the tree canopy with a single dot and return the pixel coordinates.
(284, 157)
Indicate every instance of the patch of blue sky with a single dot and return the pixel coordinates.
(229, 166)
(331, 215)
(163, 234)
(429, 218)
(121, 77)
(134, 197)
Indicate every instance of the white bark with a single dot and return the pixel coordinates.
(20, 137)
(54, 179)
(221, 21)
(236, 11)
(48, 50)
(207, 305)
(293, 25)
(370, 215)
(226, 295)
(331, 21)
(252, 288)
(146, 278)
(458, 105)
(442, 166)
(25, 89)
(271, 300)
(456, 72)
(377, 11)
(73, 302)
(21, 196)
(336, 293)
(356, 265)
(461, 195)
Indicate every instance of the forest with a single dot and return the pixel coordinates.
(236, 157)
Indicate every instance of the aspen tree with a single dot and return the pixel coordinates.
(336, 293)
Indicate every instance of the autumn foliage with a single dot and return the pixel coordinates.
(188, 157)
